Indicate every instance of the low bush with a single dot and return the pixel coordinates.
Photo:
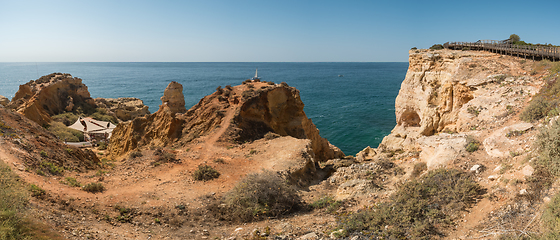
(420, 209)
(548, 145)
(258, 196)
(550, 218)
(93, 187)
(205, 173)
(101, 115)
(102, 146)
(436, 47)
(67, 119)
(472, 144)
(545, 103)
(64, 133)
(70, 181)
(51, 168)
(36, 191)
(13, 204)
(327, 202)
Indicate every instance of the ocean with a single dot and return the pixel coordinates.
(352, 104)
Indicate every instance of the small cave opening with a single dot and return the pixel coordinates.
(409, 118)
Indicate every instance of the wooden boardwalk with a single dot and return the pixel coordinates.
(506, 48)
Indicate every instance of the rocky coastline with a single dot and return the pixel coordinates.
(448, 100)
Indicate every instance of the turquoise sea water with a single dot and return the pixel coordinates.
(352, 111)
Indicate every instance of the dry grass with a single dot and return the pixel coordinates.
(420, 209)
(256, 197)
(14, 220)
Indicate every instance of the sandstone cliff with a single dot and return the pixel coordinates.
(159, 129)
(51, 95)
(455, 92)
(58, 93)
(248, 112)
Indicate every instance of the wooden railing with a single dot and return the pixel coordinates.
(503, 47)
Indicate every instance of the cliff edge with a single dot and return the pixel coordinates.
(251, 110)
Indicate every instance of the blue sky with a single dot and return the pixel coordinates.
(258, 31)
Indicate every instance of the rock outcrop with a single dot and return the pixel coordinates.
(448, 96)
(242, 113)
(173, 100)
(4, 101)
(159, 129)
(124, 109)
(51, 95)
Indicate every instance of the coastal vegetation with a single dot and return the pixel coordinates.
(205, 173)
(15, 222)
(546, 103)
(515, 39)
(258, 196)
(436, 47)
(93, 187)
(420, 209)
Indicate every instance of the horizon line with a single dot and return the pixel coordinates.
(216, 62)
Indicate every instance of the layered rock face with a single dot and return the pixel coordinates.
(242, 113)
(280, 110)
(448, 95)
(159, 129)
(173, 100)
(51, 95)
(4, 101)
(124, 109)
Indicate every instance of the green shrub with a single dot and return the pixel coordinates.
(36, 191)
(472, 144)
(102, 146)
(205, 173)
(256, 197)
(545, 103)
(101, 115)
(52, 168)
(93, 187)
(420, 209)
(514, 38)
(550, 219)
(537, 109)
(548, 145)
(67, 119)
(13, 202)
(65, 133)
(70, 181)
(436, 47)
(326, 202)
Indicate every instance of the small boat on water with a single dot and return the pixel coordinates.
(256, 77)
(340, 75)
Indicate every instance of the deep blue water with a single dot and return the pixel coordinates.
(352, 112)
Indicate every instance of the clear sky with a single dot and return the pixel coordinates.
(259, 31)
